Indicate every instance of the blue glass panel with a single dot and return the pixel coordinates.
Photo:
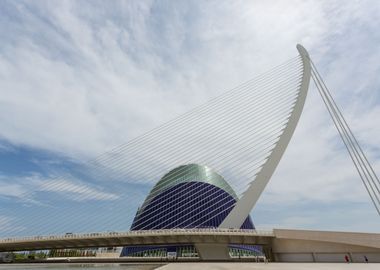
(186, 205)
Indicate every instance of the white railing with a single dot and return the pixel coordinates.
(142, 232)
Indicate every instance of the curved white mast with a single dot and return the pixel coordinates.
(244, 206)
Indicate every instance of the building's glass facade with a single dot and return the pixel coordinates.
(190, 196)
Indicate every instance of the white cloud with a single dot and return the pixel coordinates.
(73, 190)
(12, 190)
(27, 189)
(80, 84)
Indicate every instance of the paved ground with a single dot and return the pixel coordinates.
(271, 266)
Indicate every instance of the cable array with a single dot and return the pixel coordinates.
(367, 174)
(233, 134)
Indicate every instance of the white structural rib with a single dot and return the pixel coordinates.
(244, 206)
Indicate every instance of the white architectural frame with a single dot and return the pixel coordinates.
(244, 206)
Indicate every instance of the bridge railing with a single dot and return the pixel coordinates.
(134, 233)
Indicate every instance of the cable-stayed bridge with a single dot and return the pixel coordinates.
(204, 169)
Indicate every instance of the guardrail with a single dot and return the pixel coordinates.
(134, 233)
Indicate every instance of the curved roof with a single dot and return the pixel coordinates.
(188, 173)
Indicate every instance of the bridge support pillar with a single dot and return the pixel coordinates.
(269, 253)
(213, 252)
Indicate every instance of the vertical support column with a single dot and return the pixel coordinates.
(351, 258)
(268, 251)
(213, 252)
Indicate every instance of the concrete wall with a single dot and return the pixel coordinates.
(326, 257)
(372, 257)
(293, 257)
(314, 246)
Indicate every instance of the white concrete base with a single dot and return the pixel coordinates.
(327, 257)
(271, 266)
(320, 246)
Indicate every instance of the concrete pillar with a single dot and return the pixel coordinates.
(314, 256)
(213, 252)
(350, 256)
(269, 254)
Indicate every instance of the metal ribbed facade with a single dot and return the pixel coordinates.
(189, 196)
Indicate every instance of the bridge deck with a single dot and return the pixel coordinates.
(146, 237)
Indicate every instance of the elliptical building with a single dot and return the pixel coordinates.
(189, 196)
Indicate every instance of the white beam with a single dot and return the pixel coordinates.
(244, 206)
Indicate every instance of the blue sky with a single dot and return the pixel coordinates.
(78, 78)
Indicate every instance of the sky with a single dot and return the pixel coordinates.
(78, 78)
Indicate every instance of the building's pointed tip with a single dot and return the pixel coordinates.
(301, 49)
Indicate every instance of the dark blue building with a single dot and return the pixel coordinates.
(189, 196)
